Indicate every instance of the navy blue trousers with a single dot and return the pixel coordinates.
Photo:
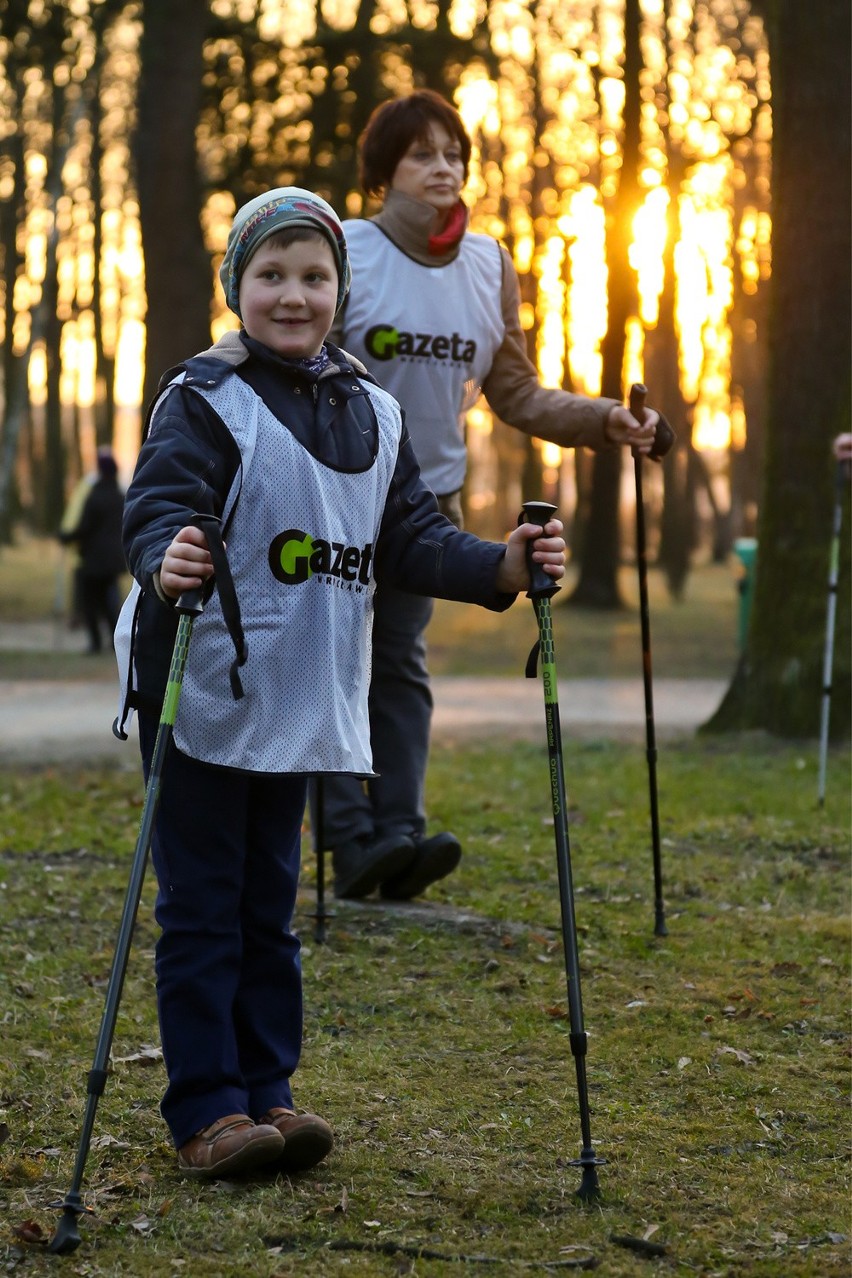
(393, 802)
(226, 852)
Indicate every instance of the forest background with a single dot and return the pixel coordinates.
(671, 177)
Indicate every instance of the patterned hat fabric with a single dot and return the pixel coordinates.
(274, 211)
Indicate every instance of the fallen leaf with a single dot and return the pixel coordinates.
(558, 1013)
(742, 1057)
(684, 1061)
(30, 1231)
(147, 1056)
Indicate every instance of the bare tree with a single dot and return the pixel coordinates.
(597, 586)
(778, 683)
(178, 278)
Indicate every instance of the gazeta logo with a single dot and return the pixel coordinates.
(385, 342)
(295, 555)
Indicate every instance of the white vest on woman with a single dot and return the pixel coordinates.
(429, 335)
(300, 546)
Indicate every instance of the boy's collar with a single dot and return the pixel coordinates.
(311, 365)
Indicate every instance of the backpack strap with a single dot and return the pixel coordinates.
(223, 581)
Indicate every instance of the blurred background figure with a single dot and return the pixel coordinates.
(70, 520)
(843, 447)
(97, 535)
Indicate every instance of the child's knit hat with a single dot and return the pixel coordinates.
(273, 211)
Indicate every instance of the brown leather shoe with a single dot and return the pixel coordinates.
(307, 1138)
(230, 1146)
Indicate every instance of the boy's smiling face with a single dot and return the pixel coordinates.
(288, 295)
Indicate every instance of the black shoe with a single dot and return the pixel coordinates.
(360, 866)
(434, 859)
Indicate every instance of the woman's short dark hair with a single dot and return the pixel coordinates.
(392, 128)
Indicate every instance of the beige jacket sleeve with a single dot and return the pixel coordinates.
(514, 393)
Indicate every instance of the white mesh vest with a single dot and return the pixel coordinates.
(300, 547)
(429, 335)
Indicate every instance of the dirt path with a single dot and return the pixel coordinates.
(50, 722)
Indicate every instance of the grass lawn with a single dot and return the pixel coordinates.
(436, 1037)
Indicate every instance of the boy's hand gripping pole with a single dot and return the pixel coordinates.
(542, 588)
(638, 394)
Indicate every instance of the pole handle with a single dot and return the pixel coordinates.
(542, 586)
(636, 403)
(190, 603)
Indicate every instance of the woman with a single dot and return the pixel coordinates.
(434, 315)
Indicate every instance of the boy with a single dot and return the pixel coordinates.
(307, 463)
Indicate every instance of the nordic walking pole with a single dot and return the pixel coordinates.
(67, 1236)
(830, 615)
(542, 587)
(637, 404)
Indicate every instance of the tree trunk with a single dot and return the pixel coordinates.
(15, 387)
(104, 363)
(177, 267)
(677, 525)
(598, 583)
(778, 683)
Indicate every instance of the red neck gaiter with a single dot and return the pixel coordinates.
(452, 232)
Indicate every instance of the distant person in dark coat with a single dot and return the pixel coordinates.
(97, 536)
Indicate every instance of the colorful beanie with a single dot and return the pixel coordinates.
(273, 211)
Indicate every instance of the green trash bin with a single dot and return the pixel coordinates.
(745, 548)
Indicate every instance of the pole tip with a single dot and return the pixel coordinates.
(67, 1237)
(589, 1190)
(589, 1161)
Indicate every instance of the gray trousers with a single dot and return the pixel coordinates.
(400, 718)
